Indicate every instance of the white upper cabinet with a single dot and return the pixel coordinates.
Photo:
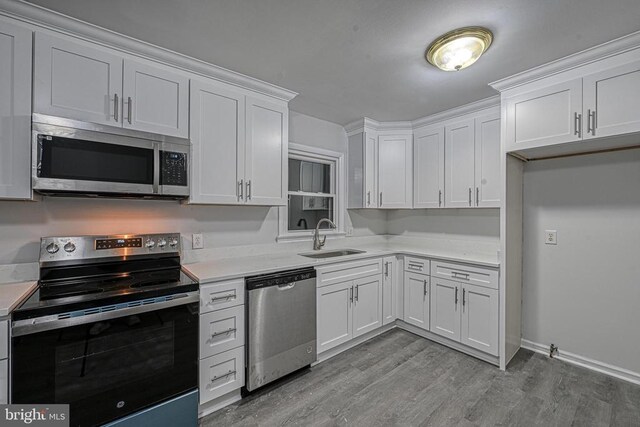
(547, 116)
(370, 162)
(155, 100)
(395, 176)
(362, 164)
(480, 318)
(459, 164)
(266, 152)
(217, 139)
(76, 81)
(487, 162)
(612, 101)
(429, 167)
(367, 308)
(92, 84)
(15, 112)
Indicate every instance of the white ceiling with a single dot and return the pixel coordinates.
(355, 58)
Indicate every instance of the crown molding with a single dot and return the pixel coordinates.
(452, 113)
(587, 56)
(58, 22)
(367, 124)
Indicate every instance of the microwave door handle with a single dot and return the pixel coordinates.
(156, 168)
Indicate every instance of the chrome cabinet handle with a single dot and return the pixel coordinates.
(477, 196)
(456, 301)
(469, 196)
(351, 294)
(386, 269)
(577, 122)
(224, 297)
(216, 378)
(425, 287)
(439, 198)
(115, 107)
(240, 189)
(591, 122)
(415, 267)
(464, 292)
(457, 275)
(381, 198)
(357, 293)
(129, 102)
(249, 190)
(368, 198)
(228, 331)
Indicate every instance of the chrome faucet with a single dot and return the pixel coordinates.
(317, 242)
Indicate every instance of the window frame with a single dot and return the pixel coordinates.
(336, 161)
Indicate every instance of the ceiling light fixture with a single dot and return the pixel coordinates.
(459, 48)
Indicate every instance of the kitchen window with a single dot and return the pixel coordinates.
(314, 192)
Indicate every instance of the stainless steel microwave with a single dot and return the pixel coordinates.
(75, 158)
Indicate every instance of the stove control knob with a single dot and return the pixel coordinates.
(162, 243)
(69, 247)
(52, 248)
(173, 242)
(150, 244)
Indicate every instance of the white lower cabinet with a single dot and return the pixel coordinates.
(222, 339)
(221, 374)
(367, 305)
(335, 316)
(416, 299)
(480, 318)
(445, 308)
(389, 289)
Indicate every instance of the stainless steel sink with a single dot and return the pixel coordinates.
(331, 254)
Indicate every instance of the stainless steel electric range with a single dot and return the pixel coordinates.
(112, 330)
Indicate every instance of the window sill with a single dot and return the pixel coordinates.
(308, 237)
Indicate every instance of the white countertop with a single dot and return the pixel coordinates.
(13, 294)
(242, 266)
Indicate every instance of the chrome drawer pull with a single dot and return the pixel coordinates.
(457, 275)
(214, 379)
(227, 332)
(224, 297)
(415, 267)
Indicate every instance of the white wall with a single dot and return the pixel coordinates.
(584, 294)
(476, 224)
(23, 223)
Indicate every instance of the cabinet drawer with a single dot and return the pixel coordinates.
(4, 339)
(416, 265)
(216, 296)
(221, 374)
(4, 381)
(465, 274)
(339, 273)
(221, 330)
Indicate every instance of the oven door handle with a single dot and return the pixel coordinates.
(48, 323)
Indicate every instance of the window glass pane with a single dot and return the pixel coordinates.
(310, 177)
(306, 211)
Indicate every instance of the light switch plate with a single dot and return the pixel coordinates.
(550, 237)
(197, 242)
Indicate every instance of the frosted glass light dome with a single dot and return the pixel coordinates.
(459, 48)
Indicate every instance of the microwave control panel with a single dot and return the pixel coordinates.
(173, 170)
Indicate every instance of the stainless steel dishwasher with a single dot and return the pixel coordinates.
(281, 325)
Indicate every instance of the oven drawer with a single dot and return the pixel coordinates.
(416, 265)
(221, 374)
(216, 296)
(4, 339)
(465, 273)
(221, 330)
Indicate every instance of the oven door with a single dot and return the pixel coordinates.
(108, 364)
(75, 160)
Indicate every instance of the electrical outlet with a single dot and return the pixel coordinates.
(550, 237)
(197, 241)
(349, 231)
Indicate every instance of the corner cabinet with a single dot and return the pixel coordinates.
(362, 167)
(78, 81)
(239, 147)
(15, 112)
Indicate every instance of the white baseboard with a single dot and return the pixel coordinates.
(328, 354)
(219, 403)
(585, 362)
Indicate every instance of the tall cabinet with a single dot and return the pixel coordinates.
(15, 112)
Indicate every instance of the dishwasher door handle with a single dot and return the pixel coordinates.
(286, 286)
